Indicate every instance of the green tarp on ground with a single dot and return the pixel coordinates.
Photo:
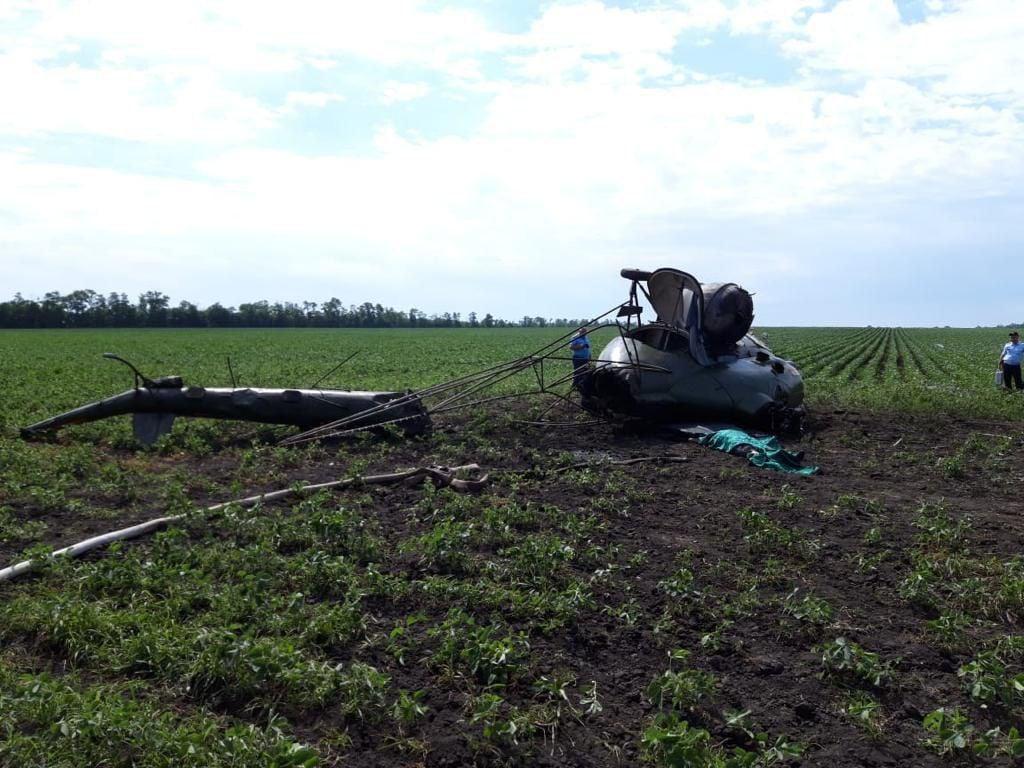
(763, 451)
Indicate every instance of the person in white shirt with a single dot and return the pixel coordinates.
(1009, 362)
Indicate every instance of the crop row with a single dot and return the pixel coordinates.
(940, 370)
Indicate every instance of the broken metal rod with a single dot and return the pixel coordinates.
(335, 368)
(442, 476)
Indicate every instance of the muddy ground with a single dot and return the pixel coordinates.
(762, 662)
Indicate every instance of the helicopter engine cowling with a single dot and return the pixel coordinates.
(728, 314)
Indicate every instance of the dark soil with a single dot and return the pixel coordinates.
(762, 663)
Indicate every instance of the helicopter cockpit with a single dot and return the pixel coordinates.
(709, 321)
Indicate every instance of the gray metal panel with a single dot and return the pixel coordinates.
(150, 427)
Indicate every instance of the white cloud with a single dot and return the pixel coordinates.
(393, 92)
(124, 104)
(777, 17)
(317, 99)
(172, 72)
(593, 28)
(973, 50)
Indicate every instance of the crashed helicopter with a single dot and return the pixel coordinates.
(696, 360)
(713, 366)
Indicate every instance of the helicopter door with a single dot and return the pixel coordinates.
(672, 296)
(679, 301)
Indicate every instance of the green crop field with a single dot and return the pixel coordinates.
(947, 371)
(926, 370)
(579, 610)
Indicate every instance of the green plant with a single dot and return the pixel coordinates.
(997, 743)
(764, 535)
(809, 610)
(986, 679)
(866, 712)
(12, 529)
(949, 731)
(843, 658)
(66, 722)
(938, 528)
(954, 467)
(672, 742)
(949, 631)
(680, 585)
(482, 652)
(788, 498)
(500, 723)
(408, 708)
(364, 690)
(681, 690)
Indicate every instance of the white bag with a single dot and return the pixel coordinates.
(999, 378)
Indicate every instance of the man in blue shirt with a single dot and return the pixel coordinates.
(1009, 362)
(580, 346)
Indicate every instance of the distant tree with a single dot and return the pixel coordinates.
(310, 313)
(153, 307)
(218, 316)
(76, 304)
(97, 315)
(121, 312)
(185, 315)
(85, 308)
(51, 311)
(332, 312)
(254, 314)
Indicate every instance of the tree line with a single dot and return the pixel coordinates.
(89, 309)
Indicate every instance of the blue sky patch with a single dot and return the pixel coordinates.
(912, 11)
(86, 54)
(735, 56)
(175, 161)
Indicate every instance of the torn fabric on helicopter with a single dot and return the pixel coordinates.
(765, 452)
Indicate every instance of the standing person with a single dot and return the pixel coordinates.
(1009, 362)
(580, 346)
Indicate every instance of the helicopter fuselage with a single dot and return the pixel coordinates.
(743, 383)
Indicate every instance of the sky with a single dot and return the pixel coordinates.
(850, 163)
